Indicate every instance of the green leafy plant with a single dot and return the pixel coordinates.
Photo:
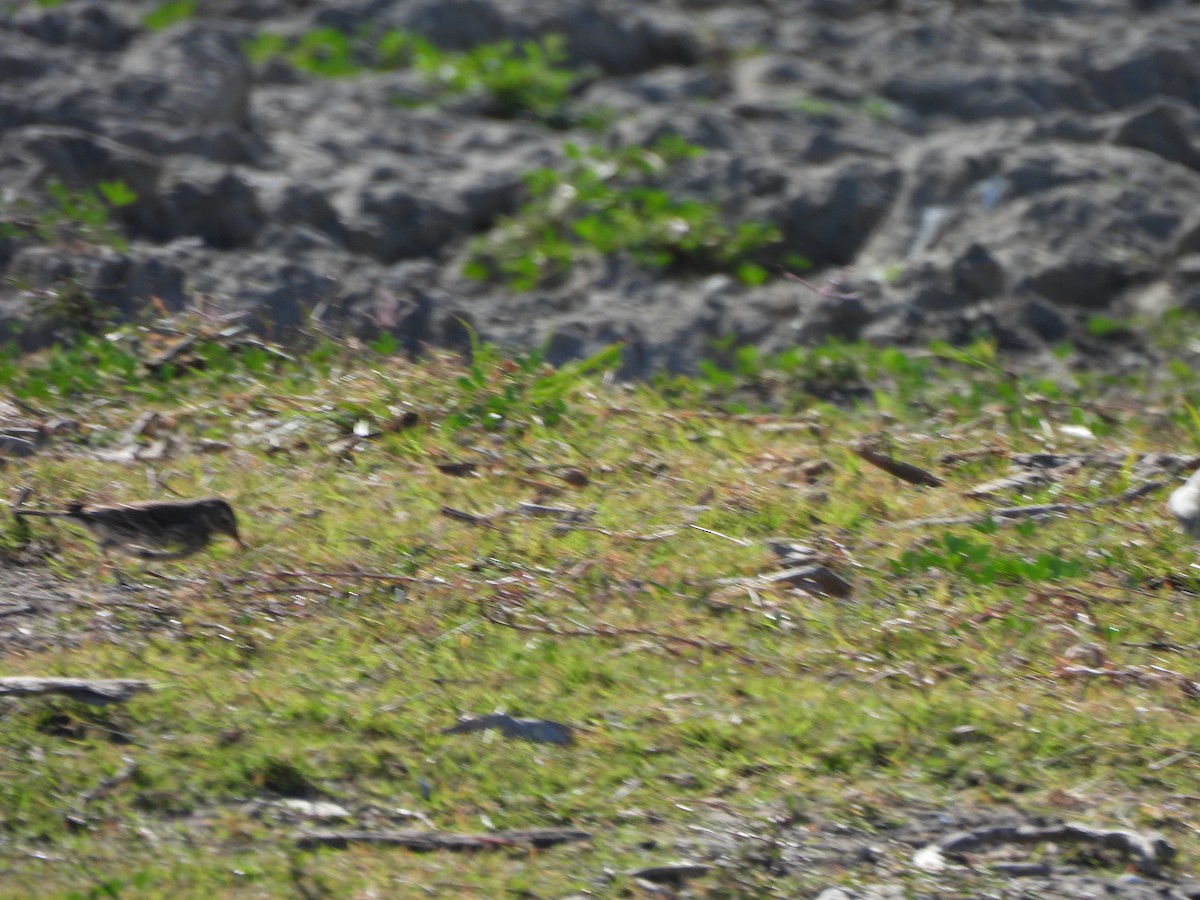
(70, 215)
(386, 344)
(610, 201)
(527, 79)
(1104, 326)
(168, 13)
(875, 107)
(743, 378)
(499, 393)
(333, 53)
(70, 370)
(326, 52)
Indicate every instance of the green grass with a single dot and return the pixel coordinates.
(325, 661)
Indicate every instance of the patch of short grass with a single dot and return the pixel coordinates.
(381, 598)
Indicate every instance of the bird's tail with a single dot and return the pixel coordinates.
(72, 510)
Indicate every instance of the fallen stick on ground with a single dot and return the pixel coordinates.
(897, 468)
(1147, 852)
(98, 692)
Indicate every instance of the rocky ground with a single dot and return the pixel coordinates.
(950, 170)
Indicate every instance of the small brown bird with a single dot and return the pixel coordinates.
(151, 530)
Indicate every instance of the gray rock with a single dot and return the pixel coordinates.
(834, 317)
(16, 65)
(91, 26)
(1090, 282)
(400, 223)
(978, 274)
(831, 221)
(846, 9)
(77, 158)
(215, 204)
(458, 24)
(194, 75)
(131, 284)
(1139, 73)
(623, 43)
(1046, 321)
(1160, 131)
(306, 204)
(1011, 186)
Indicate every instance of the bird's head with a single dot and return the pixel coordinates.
(221, 519)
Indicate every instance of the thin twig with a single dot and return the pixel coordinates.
(539, 838)
(718, 534)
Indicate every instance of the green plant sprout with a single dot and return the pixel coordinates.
(504, 393)
(169, 13)
(613, 201)
(73, 215)
(529, 79)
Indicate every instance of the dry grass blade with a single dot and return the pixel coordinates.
(463, 516)
(425, 841)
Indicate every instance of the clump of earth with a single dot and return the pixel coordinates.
(1017, 171)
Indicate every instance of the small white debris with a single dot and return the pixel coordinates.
(1184, 504)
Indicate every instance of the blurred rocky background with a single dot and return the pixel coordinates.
(568, 174)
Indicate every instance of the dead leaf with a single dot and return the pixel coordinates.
(408, 419)
(814, 579)
(458, 469)
(574, 477)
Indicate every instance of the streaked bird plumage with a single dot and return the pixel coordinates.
(161, 530)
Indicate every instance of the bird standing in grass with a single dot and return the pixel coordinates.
(152, 530)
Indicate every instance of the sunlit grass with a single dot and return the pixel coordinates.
(976, 663)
